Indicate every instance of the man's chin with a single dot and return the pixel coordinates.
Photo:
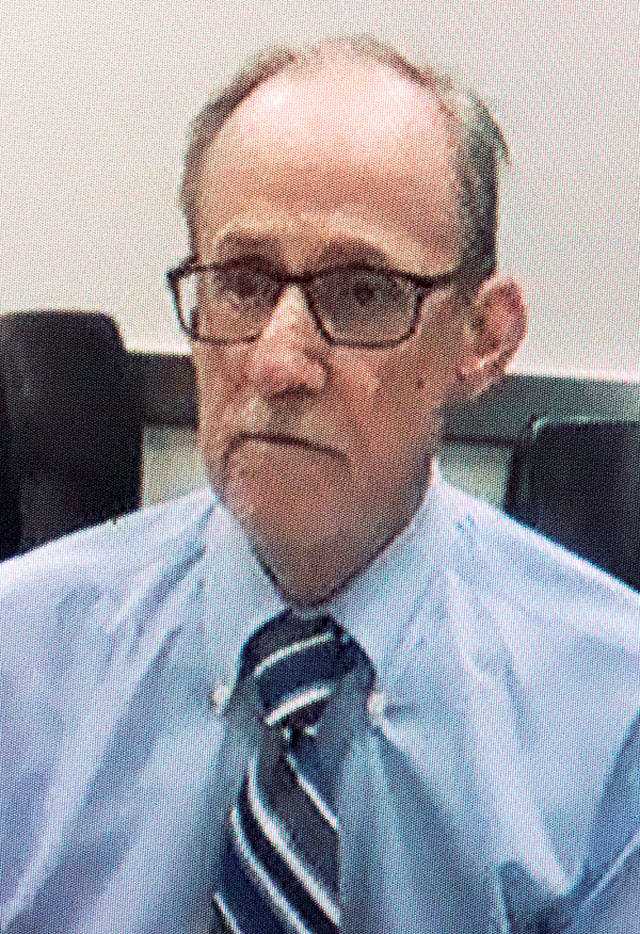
(285, 524)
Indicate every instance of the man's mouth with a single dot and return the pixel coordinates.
(279, 439)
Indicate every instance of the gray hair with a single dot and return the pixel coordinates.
(479, 142)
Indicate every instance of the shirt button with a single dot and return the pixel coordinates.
(376, 706)
(219, 697)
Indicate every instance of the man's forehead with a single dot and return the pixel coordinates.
(358, 142)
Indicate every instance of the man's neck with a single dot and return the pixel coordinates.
(309, 576)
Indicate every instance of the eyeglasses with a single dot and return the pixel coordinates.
(353, 305)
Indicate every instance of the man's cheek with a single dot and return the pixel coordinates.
(359, 376)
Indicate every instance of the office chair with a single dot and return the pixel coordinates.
(578, 483)
(10, 532)
(73, 418)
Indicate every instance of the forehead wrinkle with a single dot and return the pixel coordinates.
(349, 249)
(239, 239)
(318, 240)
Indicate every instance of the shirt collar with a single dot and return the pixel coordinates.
(376, 607)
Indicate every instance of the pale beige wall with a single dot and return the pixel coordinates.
(96, 96)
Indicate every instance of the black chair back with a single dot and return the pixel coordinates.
(74, 420)
(578, 483)
(10, 534)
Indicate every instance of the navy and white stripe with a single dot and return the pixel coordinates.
(280, 869)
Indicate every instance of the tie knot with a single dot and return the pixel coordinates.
(297, 664)
(279, 634)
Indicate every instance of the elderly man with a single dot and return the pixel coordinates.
(329, 692)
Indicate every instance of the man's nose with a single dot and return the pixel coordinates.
(290, 354)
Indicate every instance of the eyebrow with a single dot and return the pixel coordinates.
(353, 250)
(338, 251)
(247, 242)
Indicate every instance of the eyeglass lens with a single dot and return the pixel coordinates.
(235, 303)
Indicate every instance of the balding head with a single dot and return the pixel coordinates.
(365, 77)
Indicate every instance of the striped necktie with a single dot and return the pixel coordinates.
(280, 856)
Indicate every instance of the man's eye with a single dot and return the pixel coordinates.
(364, 292)
(243, 283)
(239, 281)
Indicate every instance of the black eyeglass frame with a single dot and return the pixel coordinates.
(423, 286)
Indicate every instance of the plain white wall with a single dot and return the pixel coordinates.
(96, 97)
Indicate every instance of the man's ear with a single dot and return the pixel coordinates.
(494, 330)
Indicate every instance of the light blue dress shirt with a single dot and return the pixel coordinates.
(494, 770)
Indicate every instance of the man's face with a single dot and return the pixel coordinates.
(343, 166)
